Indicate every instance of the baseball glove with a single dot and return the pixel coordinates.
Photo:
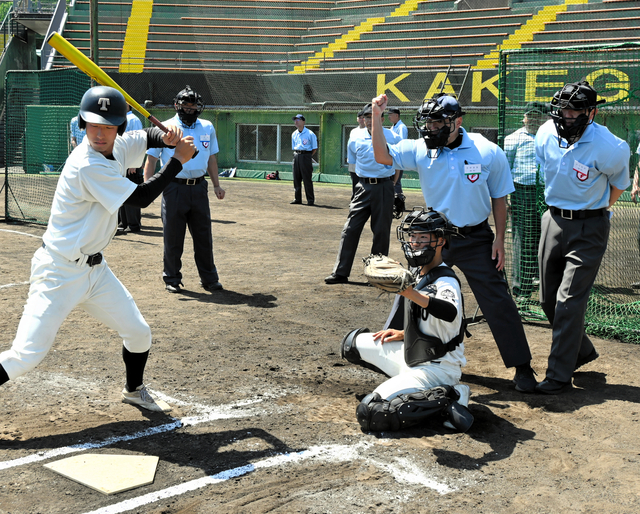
(387, 274)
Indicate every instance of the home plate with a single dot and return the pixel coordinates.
(108, 474)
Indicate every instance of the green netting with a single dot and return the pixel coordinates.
(534, 76)
(40, 106)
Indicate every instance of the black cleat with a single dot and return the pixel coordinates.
(551, 386)
(524, 379)
(336, 279)
(586, 360)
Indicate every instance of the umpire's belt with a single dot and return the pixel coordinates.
(92, 260)
(577, 215)
(298, 152)
(189, 181)
(467, 230)
(368, 180)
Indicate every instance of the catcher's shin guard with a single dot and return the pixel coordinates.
(459, 416)
(406, 410)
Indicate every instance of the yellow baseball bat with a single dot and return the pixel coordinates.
(94, 71)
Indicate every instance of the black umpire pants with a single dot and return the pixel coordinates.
(472, 255)
(373, 201)
(570, 254)
(303, 173)
(128, 215)
(185, 206)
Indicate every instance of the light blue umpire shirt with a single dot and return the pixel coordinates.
(459, 182)
(578, 178)
(400, 129)
(360, 153)
(305, 140)
(204, 138)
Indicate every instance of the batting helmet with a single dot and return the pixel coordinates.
(441, 107)
(105, 106)
(188, 115)
(577, 96)
(429, 221)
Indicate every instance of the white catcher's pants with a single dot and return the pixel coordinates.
(389, 357)
(57, 287)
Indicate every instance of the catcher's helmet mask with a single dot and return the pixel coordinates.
(188, 115)
(421, 221)
(441, 107)
(103, 105)
(576, 96)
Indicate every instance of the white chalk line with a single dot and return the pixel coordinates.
(13, 285)
(21, 233)
(406, 472)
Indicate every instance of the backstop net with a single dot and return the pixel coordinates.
(39, 108)
(528, 80)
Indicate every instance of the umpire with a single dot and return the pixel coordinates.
(185, 202)
(304, 145)
(373, 199)
(586, 170)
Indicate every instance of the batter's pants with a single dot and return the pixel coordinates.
(389, 358)
(570, 255)
(472, 255)
(57, 287)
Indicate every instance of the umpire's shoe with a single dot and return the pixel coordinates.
(524, 379)
(551, 386)
(212, 286)
(142, 398)
(173, 288)
(336, 279)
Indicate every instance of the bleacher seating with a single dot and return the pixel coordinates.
(282, 36)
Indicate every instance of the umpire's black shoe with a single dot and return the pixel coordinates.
(214, 286)
(173, 288)
(336, 279)
(524, 379)
(295, 202)
(551, 386)
(586, 360)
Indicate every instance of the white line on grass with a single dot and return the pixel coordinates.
(21, 233)
(12, 285)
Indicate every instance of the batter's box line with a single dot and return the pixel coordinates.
(222, 412)
(331, 453)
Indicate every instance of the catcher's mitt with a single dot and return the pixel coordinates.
(398, 205)
(387, 274)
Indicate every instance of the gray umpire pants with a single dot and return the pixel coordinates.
(303, 174)
(373, 201)
(187, 206)
(570, 254)
(472, 255)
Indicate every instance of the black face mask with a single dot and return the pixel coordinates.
(571, 133)
(187, 119)
(418, 258)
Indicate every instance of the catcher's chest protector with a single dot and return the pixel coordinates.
(419, 347)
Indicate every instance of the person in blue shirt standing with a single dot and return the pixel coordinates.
(526, 200)
(355, 132)
(129, 216)
(466, 177)
(586, 169)
(399, 128)
(185, 202)
(76, 134)
(373, 199)
(304, 145)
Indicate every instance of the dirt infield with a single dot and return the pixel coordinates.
(264, 408)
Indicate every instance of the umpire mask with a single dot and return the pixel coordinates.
(188, 114)
(578, 96)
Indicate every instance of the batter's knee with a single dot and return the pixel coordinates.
(138, 339)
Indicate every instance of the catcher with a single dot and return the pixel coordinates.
(424, 358)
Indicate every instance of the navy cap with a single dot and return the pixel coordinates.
(394, 110)
(298, 117)
(538, 107)
(360, 113)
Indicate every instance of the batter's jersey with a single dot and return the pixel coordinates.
(91, 188)
(520, 150)
(360, 153)
(579, 177)
(400, 129)
(305, 140)
(204, 137)
(459, 182)
(447, 289)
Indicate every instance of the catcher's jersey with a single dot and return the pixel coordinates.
(204, 137)
(447, 289)
(460, 182)
(90, 190)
